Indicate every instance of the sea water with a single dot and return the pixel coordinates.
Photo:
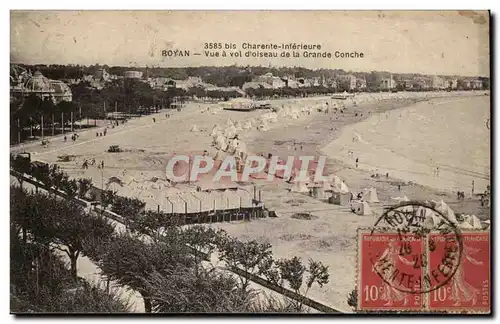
(442, 143)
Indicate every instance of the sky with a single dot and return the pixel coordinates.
(431, 42)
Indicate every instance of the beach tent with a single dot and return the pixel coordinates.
(221, 143)
(326, 186)
(215, 130)
(341, 195)
(335, 180)
(241, 150)
(361, 208)
(370, 195)
(400, 199)
(230, 131)
(317, 191)
(340, 198)
(247, 125)
(443, 208)
(475, 222)
(263, 126)
(343, 187)
(431, 219)
(465, 224)
(194, 128)
(233, 145)
(238, 125)
(299, 186)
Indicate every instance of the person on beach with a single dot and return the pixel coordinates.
(387, 175)
(399, 187)
(65, 138)
(154, 120)
(437, 171)
(93, 161)
(357, 161)
(105, 131)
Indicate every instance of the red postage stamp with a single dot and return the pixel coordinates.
(469, 287)
(391, 271)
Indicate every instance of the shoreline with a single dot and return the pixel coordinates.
(310, 133)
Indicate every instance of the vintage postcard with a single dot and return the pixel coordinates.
(250, 162)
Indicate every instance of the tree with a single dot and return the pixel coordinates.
(70, 187)
(40, 282)
(108, 197)
(41, 171)
(19, 218)
(88, 299)
(62, 224)
(56, 177)
(251, 256)
(84, 185)
(129, 208)
(352, 299)
(77, 230)
(291, 271)
(202, 239)
(131, 262)
(183, 291)
(20, 164)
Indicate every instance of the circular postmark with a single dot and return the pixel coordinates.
(415, 247)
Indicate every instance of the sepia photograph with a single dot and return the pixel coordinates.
(250, 162)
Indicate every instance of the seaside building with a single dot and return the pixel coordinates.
(421, 83)
(452, 83)
(470, 84)
(388, 83)
(274, 81)
(42, 87)
(348, 81)
(330, 83)
(132, 74)
(360, 83)
(303, 83)
(161, 83)
(407, 84)
(438, 83)
(315, 82)
(290, 82)
(256, 85)
(190, 82)
(476, 84)
(102, 75)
